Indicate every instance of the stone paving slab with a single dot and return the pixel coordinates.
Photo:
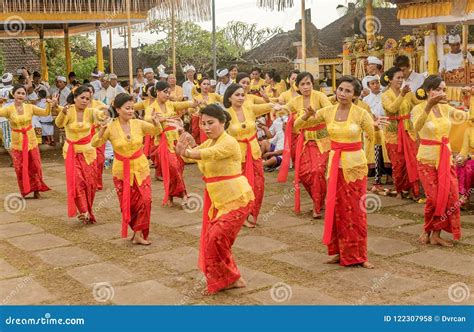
(146, 292)
(284, 294)
(56, 211)
(418, 228)
(467, 219)
(255, 280)
(158, 243)
(18, 229)
(7, 218)
(440, 296)
(387, 201)
(38, 242)
(106, 231)
(101, 272)
(443, 259)
(54, 182)
(23, 291)
(33, 204)
(279, 220)
(8, 271)
(377, 280)
(194, 230)
(314, 230)
(259, 244)
(413, 208)
(469, 241)
(308, 260)
(388, 247)
(175, 218)
(386, 221)
(67, 256)
(182, 259)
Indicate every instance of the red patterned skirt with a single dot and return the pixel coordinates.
(259, 186)
(399, 170)
(34, 171)
(86, 185)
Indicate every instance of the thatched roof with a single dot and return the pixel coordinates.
(275, 4)
(25, 18)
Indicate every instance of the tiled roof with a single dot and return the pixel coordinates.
(16, 55)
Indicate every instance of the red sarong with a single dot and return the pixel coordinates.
(85, 186)
(248, 168)
(289, 143)
(399, 170)
(24, 150)
(299, 152)
(465, 175)
(140, 205)
(100, 151)
(34, 174)
(196, 128)
(312, 174)
(349, 231)
(450, 220)
(126, 199)
(70, 173)
(333, 185)
(258, 186)
(217, 238)
(407, 147)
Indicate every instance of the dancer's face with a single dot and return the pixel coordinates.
(439, 90)
(306, 86)
(82, 101)
(205, 85)
(20, 95)
(126, 112)
(245, 82)
(238, 98)
(397, 80)
(211, 126)
(345, 93)
(163, 96)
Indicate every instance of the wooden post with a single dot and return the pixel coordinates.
(111, 52)
(67, 48)
(303, 35)
(333, 77)
(214, 48)
(99, 51)
(130, 60)
(44, 62)
(369, 23)
(173, 37)
(465, 37)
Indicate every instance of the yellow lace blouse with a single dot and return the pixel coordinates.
(248, 128)
(318, 100)
(222, 157)
(139, 168)
(353, 163)
(398, 106)
(211, 98)
(468, 142)
(433, 128)
(77, 130)
(18, 121)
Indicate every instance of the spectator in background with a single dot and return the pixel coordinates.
(233, 72)
(139, 82)
(47, 124)
(411, 78)
(71, 78)
(114, 84)
(224, 81)
(149, 75)
(61, 90)
(188, 85)
(106, 93)
(95, 82)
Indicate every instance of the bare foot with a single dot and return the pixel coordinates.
(37, 195)
(399, 196)
(138, 239)
(82, 218)
(334, 260)
(239, 283)
(437, 240)
(169, 203)
(367, 265)
(424, 238)
(317, 215)
(250, 222)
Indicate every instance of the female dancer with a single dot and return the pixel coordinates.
(176, 92)
(130, 169)
(273, 81)
(24, 146)
(292, 92)
(400, 136)
(206, 98)
(233, 72)
(465, 163)
(311, 146)
(432, 121)
(79, 120)
(228, 198)
(243, 128)
(345, 222)
(171, 166)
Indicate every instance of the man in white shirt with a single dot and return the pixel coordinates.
(224, 81)
(374, 100)
(149, 75)
(455, 59)
(272, 149)
(95, 82)
(61, 90)
(188, 85)
(107, 93)
(114, 84)
(374, 67)
(412, 79)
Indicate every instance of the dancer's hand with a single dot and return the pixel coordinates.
(435, 99)
(405, 90)
(65, 109)
(381, 122)
(188, 139)
(308, 112)
(461, 160)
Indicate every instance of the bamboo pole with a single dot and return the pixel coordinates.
(333, 77)
(303, 35)
(99, 51)
(44, 62)
(67, 48)
(173, 37)
(214, 48)
(130, 59)
(465, 37)
(111, 52)
(369, 23)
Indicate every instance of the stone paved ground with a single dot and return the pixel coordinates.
(47, 258)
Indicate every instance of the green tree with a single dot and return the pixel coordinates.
(193, 45)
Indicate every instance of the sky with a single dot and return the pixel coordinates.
(323, 12)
